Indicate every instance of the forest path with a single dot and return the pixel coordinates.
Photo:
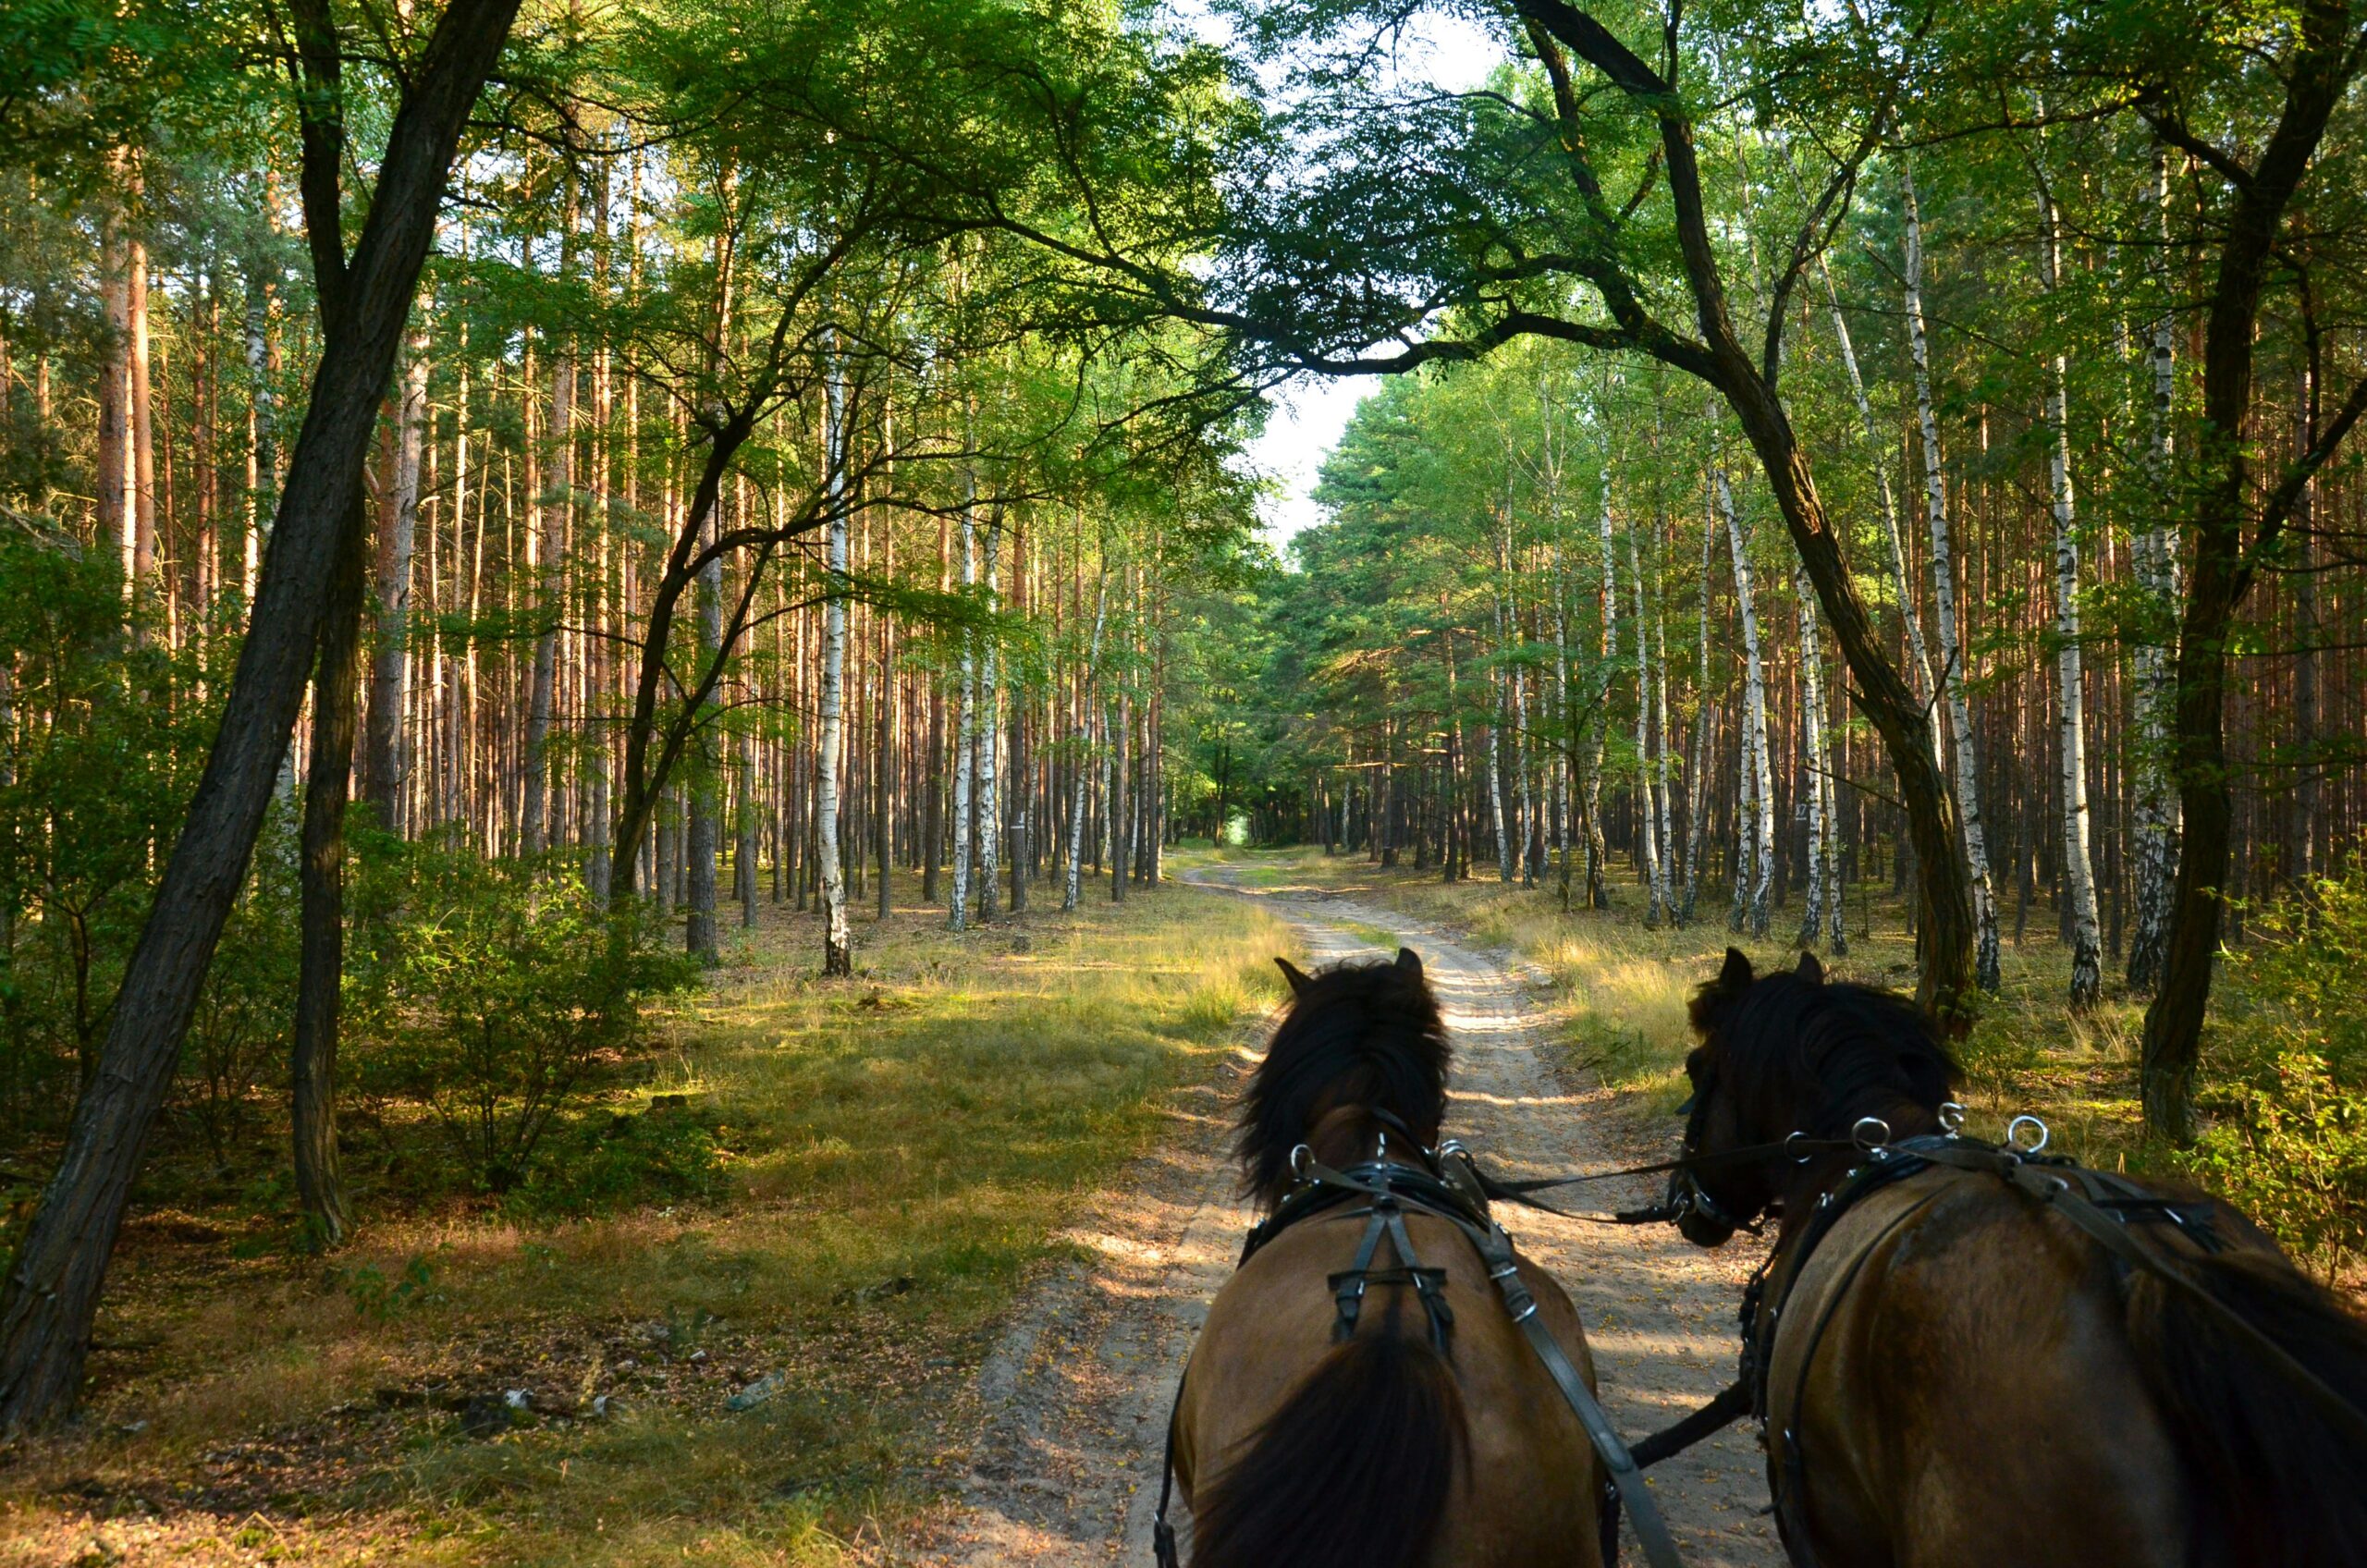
(1077, 1393)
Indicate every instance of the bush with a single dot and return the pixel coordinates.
(493, 991)
(2289, 1080)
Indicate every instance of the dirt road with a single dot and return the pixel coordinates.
(1078, 1391)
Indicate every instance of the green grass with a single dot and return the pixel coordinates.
(904, 1152)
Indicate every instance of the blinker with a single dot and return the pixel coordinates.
(1686, 1109)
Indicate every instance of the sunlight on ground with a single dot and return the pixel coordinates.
(904, 1151)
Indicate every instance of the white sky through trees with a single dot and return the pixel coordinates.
(1309, 415)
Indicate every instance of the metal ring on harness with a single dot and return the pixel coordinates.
(1869, 1133)
(1302, 1162)
(2017, 1127)
(1950, 1117)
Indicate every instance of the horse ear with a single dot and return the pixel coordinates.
(1810, 969)
(1737, 972)
(1409, 962)
(1295, 975)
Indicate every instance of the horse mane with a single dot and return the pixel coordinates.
(1838, 1049)
(1356, 1034)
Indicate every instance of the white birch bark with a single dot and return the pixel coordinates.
(1759, 776)
(1597, 887)
(1952, 672)
(1825, 879)
(2078, 873)
(957, 914)
(990, 732)
(1496, 757)
(838, 939)
(1697, 764)
(2155, 556)
(1647, 817)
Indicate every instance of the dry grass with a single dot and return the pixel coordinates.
(904, 1151)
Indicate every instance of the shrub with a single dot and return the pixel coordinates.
(2288, 1079)
(493, 991)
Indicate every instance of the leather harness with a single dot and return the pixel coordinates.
(2103, 1206)
(1448, 1186)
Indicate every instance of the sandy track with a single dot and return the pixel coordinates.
(1077, 1392)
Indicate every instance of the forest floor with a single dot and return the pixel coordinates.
(1079, 1393)
(903, 1157)
(973, 1207)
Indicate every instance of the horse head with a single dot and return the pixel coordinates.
(1359, 1038)
(1789, 1053)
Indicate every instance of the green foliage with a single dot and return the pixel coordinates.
(495, 991)
(110, 729)
(380, 1299)
(2288, 1142)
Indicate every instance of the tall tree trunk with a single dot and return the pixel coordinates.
(2071, 722)
(837, 935)
(1087, 709)
(1698, 791)
(2317, 75)
(965, 747)
(385, 763)
(1953, 673)
(312, 1062)
(705, 783)
(1823, 881)
(51, 1292)
(1020, 787)
(989, 729)
(1758, 834)
(1647, 823)
(2154, 554)
(552, 508)
(1597, 848)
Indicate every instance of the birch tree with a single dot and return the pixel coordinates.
(2078, 873)
(1953, 673)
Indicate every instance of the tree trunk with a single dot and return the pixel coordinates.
(52, 1290)
(989, 728)
(838, 936)
(386, 760)
(2071, 724)
(965, 748)
(2316, 77)
(1090, 705)
(312, 1063)
(1953, 673)
(1758, 868)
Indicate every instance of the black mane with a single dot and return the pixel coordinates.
(1356, 1035)
(1835, 1050)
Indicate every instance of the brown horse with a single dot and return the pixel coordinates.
(1430, 1434)
(1953, 1372)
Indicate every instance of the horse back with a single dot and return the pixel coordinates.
(1951, 1379)
(1525, 1490)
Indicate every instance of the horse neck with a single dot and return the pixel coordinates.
(1888, 1102)
(1349, 1134)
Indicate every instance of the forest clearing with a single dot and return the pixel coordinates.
(751, 754)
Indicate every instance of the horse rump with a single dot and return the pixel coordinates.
(1352, 1472)
(2281, 1479)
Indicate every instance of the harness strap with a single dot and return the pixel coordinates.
(2053, 1189)
(1627, 1477)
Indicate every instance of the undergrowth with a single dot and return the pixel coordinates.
(830, 1191)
